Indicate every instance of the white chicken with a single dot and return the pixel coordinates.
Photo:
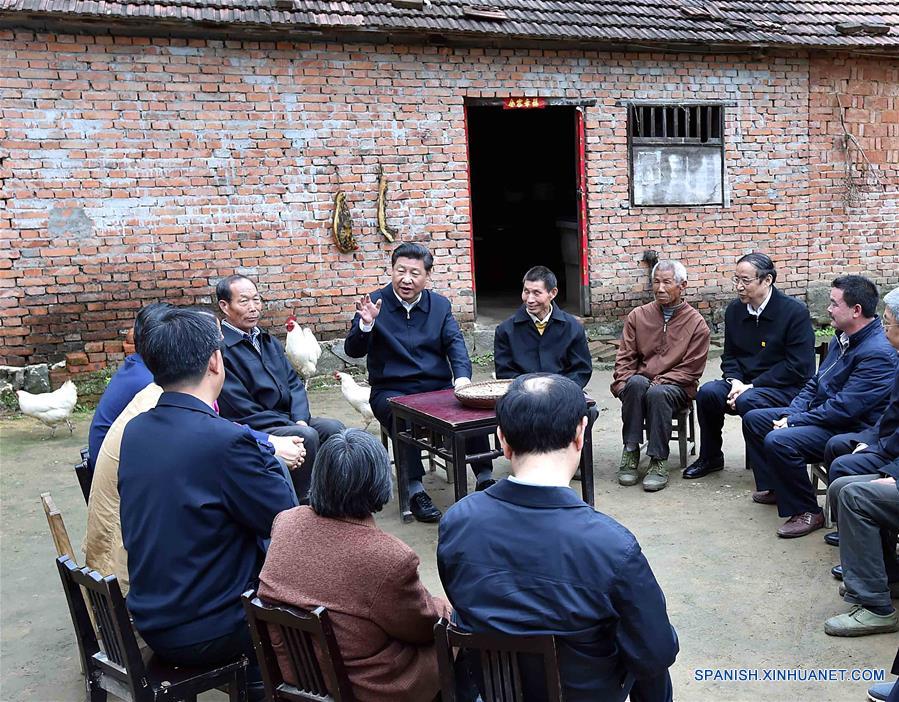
(357, 396)
(302, 348)
(52, 408)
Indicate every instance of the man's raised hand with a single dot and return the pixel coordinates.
(368, 310)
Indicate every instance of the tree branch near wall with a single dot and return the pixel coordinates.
(861, 174)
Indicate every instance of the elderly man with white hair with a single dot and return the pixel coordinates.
(663, 352)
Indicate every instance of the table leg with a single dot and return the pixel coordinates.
(460, 477)
(587, 466)
(402, 472)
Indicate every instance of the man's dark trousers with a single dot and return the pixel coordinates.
(318, 431)
(869, 520)
(411, 457)
(653, 404)
(711, 406)
(779, 458)
(840, 460)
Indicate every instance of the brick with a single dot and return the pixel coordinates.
(241, 175)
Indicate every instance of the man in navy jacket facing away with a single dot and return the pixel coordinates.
(413, 344)
(197, 497)
(769, 354)
(528, 557)
(848, 393)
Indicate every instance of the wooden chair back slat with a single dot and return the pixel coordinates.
(499, 658)
(310, 646)
(57, 527)
(122, 659)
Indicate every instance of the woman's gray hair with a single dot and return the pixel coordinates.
(891, 300)
(351, 476)
(680, 272)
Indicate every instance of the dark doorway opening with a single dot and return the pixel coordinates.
(523, 170)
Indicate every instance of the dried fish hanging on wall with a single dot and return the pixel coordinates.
(342, 225)
(388, 232)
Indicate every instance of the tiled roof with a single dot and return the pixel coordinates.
(835, 23)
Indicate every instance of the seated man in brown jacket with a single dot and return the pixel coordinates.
(332, 553)
(663, 351)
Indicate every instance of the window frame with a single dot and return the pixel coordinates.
(717, 143)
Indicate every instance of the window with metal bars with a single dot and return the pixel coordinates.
(676, 153)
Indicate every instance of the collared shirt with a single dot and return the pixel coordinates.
(758, 312)
(513, 479)
(252, 336)
(541, 323)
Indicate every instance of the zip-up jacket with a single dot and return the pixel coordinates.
(672, 353)
(852, 386)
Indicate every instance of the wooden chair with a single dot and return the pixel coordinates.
(84, 475)
(309, 647)
(818, 475)
(118, 666)
(57, 527)
(499, 663)
(683, 429)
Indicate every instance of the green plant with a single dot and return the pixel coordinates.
(825, 332)
(484, 360)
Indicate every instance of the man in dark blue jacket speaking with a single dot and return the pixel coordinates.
(528, 557)
(848, 393)
(413, 344)
(198, 496)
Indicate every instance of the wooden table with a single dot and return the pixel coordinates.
(436, 422)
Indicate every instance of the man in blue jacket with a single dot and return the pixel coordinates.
(848, 393)
(864, 452)
(198, 496)
(131, 377)
(528, 557)
(262, 390)
(413, 344)
(541, 337)
(769, 355)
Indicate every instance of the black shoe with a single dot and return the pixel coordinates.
(832, 539)
(837, 571)
(423, 509)
(484, 484)
(701, 468)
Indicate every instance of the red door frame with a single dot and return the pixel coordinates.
(581, 185)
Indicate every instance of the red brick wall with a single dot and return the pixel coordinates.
(135, 169)
(856, 213)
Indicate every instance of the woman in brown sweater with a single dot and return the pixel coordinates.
(331, 553)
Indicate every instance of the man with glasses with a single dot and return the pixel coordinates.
(848, 393)
(262, 390)
(769, 354)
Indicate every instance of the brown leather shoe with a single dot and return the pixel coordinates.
(765, 497)
(801, 524)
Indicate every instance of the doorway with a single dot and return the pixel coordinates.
(524, 176)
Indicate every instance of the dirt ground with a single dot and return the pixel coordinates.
(739, 597)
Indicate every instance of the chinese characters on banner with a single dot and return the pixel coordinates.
(523, 103)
